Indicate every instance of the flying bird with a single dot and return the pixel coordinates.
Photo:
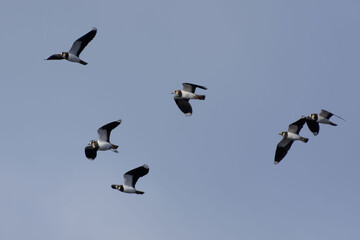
(313, 120)
(288, 138)
(130, 179)
(183, 96)
(74, 53)
(103, 143)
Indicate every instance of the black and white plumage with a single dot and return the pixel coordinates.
(313, 120)
(74, 53)
(103, 143)
(130, 179)
(288, 138)
(183, 96)
(90, 152)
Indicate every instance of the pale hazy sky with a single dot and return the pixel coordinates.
(212, 177)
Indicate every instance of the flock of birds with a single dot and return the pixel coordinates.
(103, 144)
(292, 134)
(181, 98)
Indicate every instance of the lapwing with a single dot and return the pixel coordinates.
(73, 55)
(288, 138)
(183, 96)
(130, 179)
(103, 143)
(314, 119)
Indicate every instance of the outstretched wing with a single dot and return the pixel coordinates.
(55, 57)
(295, 127)
(132, 176)
(282, 148)
(184, 106)
(189, 87)
(82, 42)
(90, 152)
(327, 114)
(312, 125)
(104, 131)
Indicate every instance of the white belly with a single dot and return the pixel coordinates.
(104, 145)
(129, 189)
(323, 120)
(293, 136)
(73, 58)
(188, 95)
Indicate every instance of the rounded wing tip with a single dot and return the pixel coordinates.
(94, 29)
(188, 114)
(90, 153)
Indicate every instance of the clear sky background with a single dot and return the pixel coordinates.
(212, 176)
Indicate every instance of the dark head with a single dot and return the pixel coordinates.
(313, 116)
(118, 187)
(94, 144)
(65, 55)
(284, 134)
(177, 93)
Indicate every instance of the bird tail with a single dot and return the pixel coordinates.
(305, 140)
(200, 97)
(114, 147)
(83, 63)
(139, 192)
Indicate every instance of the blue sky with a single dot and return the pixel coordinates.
(265, 64)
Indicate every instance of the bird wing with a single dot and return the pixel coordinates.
(313, 126)
(282, 148)
(132, 176)
(82, 42)
(55, 57)
(191, 87)
(104, 131)
(325, 114)
(328, 115)
(90, 152)
(128, 180)
(295, 127)
(184, 106)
